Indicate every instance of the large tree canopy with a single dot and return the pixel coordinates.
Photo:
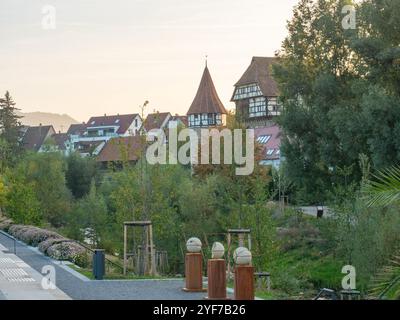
(340, 92)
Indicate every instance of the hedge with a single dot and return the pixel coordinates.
(50, 243)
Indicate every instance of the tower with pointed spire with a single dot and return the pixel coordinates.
(206, 109)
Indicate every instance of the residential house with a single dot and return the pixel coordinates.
(177, 121)
(62, 143)
(99, 130)
(76, 129)
(34, 138)
(256, 94)
(119, 150)
(157, 120)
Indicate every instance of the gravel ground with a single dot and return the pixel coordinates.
(81, 289)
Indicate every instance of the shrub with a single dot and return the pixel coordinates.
(5, 223)
(45, 245)
(16, 230)
(70, 251)
(33, 236)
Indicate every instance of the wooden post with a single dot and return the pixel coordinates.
(194, 272)
(229, 254)
(125, 244)
(249, 241)
(216, 271)
(244, 283)
(153, 270)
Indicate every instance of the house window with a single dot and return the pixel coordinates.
(263, 139)
(270, 152)
(249, 91)
(257, 107)
(117, 121)
(136, 123)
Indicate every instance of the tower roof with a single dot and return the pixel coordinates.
(260, 72)
(206, 99)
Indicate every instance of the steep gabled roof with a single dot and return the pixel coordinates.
(260, 72)
(182, 119)
(35, 137)
(76, 129)
(119, 149)
(155, 120)
(122, 121)
(206, 99)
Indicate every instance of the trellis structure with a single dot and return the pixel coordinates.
(149, 265)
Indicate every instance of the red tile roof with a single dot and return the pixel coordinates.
(155, 120)
(206, 99)
(119, 149)
(124, 121)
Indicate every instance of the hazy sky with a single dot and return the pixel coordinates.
(108, 56)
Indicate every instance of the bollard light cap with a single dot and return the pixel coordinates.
(193, 245)
(242, 256)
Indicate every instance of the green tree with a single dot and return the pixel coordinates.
(88, 221)
(10, 126)
(80, 174)
(314, 73)
(46, 173)
(21, 203)
(340, 93)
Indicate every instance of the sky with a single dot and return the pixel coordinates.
(109, 56)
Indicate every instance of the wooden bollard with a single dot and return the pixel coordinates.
(194, 272)
(244, 283)
(216, 272)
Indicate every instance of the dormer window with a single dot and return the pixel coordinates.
(263, 139)
(117, 121)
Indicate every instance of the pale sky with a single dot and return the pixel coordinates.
(108, 56)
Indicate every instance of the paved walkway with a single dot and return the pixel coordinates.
(18, 281)
(78, 287)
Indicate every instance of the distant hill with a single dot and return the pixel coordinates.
(60, 122)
